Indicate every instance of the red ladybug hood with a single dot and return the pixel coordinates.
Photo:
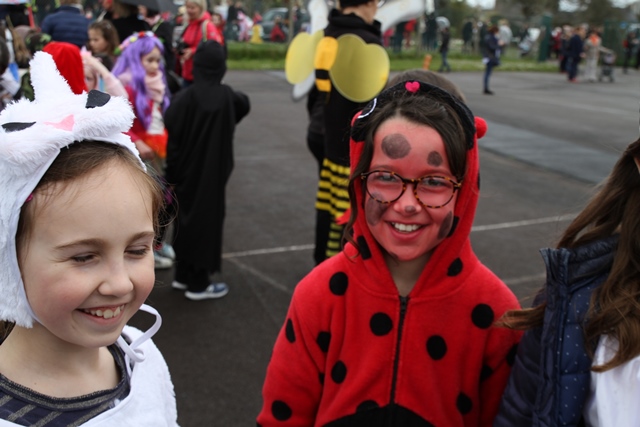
(453, 260)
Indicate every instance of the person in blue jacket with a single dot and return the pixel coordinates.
(67, 24)
(579, 360)
(575, 52)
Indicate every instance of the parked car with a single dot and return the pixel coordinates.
(269, 17)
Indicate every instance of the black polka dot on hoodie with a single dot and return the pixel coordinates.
(486, 372)
(455, 268)
(464, 404)
(280, 410)
(365, 252)
(482, 316)
(323, 340)
(289, 332)
(454, 225)
(338, 283)
(339, 372)
(436, 347)
(380, 324)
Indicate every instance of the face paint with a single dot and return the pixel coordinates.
(404, 229)
(395, 146)
(445, 227)
(434, 159)
(374, 211)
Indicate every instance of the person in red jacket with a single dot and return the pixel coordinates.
(198, 29)
(398, 328)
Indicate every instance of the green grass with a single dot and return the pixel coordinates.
(270, 56)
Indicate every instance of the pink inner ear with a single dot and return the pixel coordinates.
(65, 124)
(412, 86)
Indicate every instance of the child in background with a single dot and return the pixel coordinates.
(140, 68)
(80, 217)
(201, 122)
(399, 326)
(98, 77)
(103, 40)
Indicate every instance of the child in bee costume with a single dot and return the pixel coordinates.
(351, 33)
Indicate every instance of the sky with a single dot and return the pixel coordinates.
(490, 3)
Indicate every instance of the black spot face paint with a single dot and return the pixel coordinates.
(374, 211)
(395, 146)
(434, 159)
(445, 227)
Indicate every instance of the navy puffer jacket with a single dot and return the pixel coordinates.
(67, 24)
(550, 379)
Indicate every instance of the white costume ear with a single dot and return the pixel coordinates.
(47, 81)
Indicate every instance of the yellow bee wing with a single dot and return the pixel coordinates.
(299, 62)
(360, 70)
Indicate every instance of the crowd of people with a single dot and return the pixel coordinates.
(399, 322)
(582, 44)
(130, 51)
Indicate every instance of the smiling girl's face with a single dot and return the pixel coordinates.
(405, 229)
(87, 260)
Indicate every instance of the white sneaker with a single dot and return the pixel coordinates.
(214, 290)
(178, 286)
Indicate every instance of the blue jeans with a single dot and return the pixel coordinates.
(445, 64)
(572, 67)
(487, 74)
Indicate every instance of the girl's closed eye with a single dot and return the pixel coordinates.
(83, 258)
(139, 251)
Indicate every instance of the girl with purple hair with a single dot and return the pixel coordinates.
(140, 68)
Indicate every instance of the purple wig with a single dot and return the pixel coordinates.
(133, 49)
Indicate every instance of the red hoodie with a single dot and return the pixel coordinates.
(353, 352)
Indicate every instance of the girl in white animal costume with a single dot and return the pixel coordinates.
(78, 218)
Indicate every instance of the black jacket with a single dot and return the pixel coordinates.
(201, 123)
(338, 110)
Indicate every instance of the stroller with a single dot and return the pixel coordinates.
(608, 60)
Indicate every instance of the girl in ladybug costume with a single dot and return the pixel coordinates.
(398, 329)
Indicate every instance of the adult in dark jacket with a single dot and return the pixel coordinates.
(575, 52)
(356, 17)
(201, 122)
(67, 24)
(582, 334)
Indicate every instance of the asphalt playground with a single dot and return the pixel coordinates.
(549, 143)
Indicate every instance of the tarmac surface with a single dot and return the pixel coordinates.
(549, 142)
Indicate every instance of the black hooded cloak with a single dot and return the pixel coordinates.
(201, 123)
